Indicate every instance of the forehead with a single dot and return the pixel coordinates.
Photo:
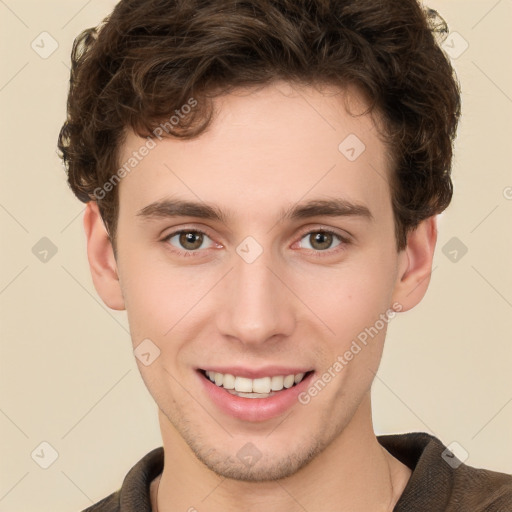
(269, 146)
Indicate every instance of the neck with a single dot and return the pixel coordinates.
(354, 473)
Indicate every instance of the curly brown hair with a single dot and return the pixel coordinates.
(150, 57)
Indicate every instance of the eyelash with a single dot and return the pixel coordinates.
(194, 253)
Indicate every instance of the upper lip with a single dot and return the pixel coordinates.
(256, 373)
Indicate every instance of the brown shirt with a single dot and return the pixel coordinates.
(437, 483)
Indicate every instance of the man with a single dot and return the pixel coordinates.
(262, 181)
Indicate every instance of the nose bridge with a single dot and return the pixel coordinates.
(256, 303)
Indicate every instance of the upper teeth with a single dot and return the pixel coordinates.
(262, 385)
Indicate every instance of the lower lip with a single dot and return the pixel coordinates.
(254, 409)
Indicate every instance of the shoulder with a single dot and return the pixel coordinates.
(134, 494)
(483, 490)
(440, 481)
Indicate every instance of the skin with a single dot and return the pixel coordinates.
(266, 149)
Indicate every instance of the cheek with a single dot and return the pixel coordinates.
(161, 298)
(149, 293)
(350, 297)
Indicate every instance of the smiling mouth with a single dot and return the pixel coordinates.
(263, 387)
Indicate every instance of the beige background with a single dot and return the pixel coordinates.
(68, 376)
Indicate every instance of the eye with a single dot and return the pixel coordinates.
(191, 240)
(188, 242)
(322, 240)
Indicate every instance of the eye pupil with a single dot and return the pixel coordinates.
(324, 239)
(188, 238)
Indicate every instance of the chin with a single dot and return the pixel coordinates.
(267, 468)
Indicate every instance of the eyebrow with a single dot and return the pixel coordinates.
(332, 207)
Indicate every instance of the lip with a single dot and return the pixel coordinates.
(252, 373)
(254, 409)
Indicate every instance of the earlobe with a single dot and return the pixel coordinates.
(415, 265)
(101, 259)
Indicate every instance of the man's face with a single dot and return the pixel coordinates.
(260, 294)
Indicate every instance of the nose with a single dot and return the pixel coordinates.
(255, 302)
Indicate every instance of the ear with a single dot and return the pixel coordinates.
(415, 265)
(101, 259)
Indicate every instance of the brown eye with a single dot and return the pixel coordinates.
(190, 240)
(186, 240)
(321, 240)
